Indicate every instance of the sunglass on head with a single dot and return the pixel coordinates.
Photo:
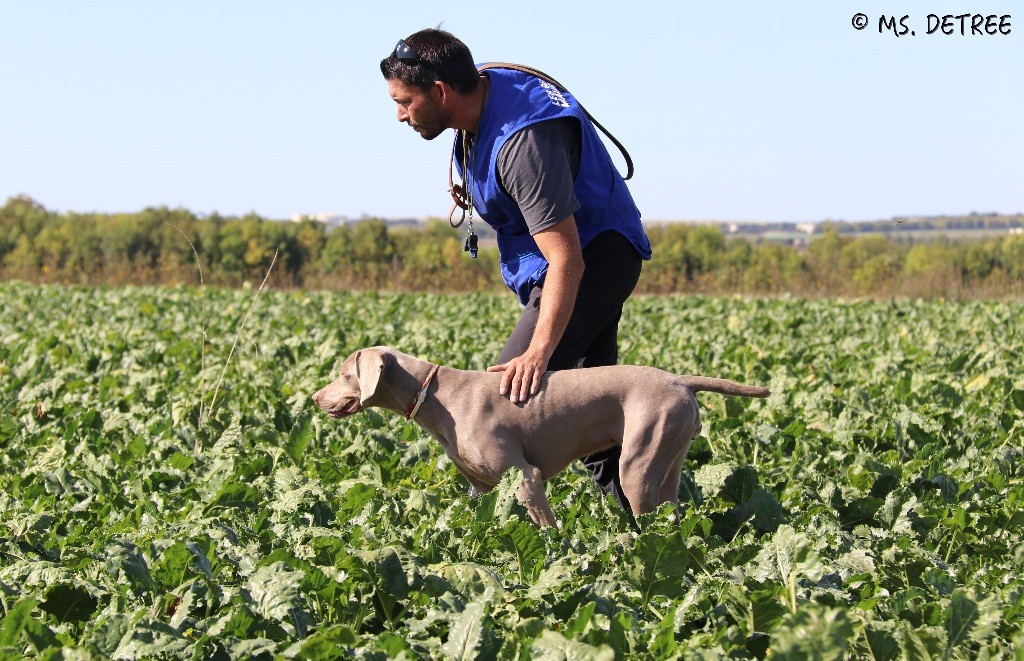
(406, 54)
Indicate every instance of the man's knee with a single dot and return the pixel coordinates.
(603, 465)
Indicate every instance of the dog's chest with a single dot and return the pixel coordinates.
(473, 471)
(472, 468)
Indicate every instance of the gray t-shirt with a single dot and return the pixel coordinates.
(537, 166)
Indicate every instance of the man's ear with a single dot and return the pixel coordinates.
(444, 91)
(370, 364)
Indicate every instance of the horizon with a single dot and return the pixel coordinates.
(332, 218)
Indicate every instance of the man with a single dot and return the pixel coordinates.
(569, 234)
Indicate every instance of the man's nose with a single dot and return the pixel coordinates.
(402, 114)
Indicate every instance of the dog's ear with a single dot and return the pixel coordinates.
(370, 365)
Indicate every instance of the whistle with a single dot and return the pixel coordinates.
(471, 245)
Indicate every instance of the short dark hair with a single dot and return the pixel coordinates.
(448, 58)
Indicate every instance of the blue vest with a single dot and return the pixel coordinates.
(516, 100)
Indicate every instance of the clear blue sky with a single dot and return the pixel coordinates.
(731, 110)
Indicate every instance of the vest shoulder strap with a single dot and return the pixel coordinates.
(545, 77)
(456, 191)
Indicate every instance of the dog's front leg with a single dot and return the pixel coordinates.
(531, 493)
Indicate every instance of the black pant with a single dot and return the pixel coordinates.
(612, 268)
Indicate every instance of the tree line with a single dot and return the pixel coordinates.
(972, 221)
(175, 246)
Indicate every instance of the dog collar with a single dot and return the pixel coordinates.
(421, 395)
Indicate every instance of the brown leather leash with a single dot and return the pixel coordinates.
(460, 194)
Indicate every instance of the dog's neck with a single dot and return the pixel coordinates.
(401, 383)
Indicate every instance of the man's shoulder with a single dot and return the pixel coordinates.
(544, 140)
(557, 130)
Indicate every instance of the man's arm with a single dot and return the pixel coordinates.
(536, 167)
(560, 245)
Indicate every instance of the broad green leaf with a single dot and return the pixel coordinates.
(758, 610)
(554, 579)
(123, 559)
(500, 503)
(505, 494)
(552, 646)
(659, 565)
(34, 529)
(252, 648)
(967, 619)
(768, 514)
(236, 620)
(977, 383)
(108, 631)
(173, 566)
(581, 619)
(180, 461)
(323, 643)
(355, 494)
(523, 539)
(741, 486)
(960, 619)
(881, 645)
(69, 603)
(395, 570)
(711, 478)
(299, 439)
(467, 629)
(813, 632)
(18, 624)
(274, 591)
(150, 638)
(916, 644)
(787, 554)
(237, 494)
(664, 644)
(468, 578)
(989, 618)
(395, 646)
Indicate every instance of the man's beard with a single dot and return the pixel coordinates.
(432, 125)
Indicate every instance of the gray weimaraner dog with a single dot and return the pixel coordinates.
(653, 414)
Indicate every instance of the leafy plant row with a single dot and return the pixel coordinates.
(871, 507)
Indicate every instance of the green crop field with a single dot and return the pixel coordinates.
(160, 500)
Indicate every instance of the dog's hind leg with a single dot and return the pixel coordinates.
(670, 484)
(641, 476)
(651, 462)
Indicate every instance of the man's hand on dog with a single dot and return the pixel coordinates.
(522, 375)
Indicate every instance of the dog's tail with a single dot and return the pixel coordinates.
(724, 386)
